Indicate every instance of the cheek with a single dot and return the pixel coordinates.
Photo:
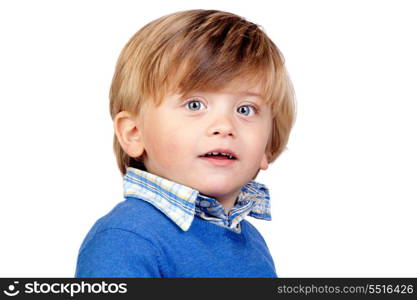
(257, 153)
(256, 144)
(166, 144)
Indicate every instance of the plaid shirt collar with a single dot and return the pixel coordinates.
(181, 203)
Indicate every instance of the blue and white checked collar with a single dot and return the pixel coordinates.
(181, 203)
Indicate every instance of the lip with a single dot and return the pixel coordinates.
(220, 162)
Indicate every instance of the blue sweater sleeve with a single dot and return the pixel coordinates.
(118, 253)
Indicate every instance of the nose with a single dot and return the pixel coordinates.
(222, 126)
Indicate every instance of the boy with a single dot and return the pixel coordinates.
(200, 101)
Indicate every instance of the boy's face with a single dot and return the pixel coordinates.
(178, 134)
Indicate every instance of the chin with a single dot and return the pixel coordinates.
(217, 188)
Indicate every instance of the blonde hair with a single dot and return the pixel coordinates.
(200, 50)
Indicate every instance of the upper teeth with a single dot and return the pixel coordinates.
(221, 153)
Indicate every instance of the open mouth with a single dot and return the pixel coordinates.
(220, 155)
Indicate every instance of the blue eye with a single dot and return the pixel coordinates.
(194, 105)
(246, 110)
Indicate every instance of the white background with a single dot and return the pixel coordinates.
(343, 194)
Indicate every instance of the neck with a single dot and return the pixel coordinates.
(228, 201)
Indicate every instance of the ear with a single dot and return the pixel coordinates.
(264, 162)
(129, 135)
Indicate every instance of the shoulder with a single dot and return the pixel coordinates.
(124, 242)
(251, 229)
(258, 243)
(252, 232)
(135, 217)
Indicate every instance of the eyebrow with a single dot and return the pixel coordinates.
(239, 93)
(247, 93)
